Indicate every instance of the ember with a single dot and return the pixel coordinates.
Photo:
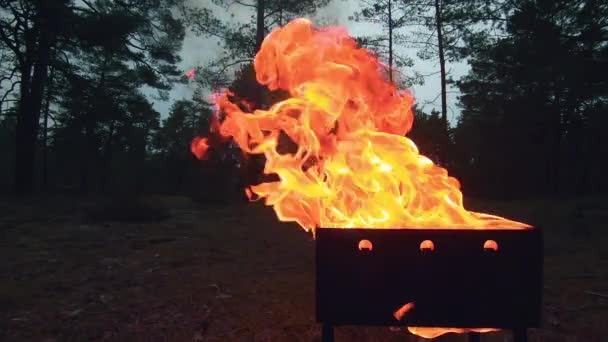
(353, 167)
(190, 74)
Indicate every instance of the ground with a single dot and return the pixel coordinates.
(168, 269)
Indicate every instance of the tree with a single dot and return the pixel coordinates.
(100, 107)
(241, 41)
(390, 15)
(532, 99)
(132, 143)
(7, 148)
(427, 132)
(29, 29)
(103, 128)
(440, 30)
(187, 119)
(146, 34)
(8, 78)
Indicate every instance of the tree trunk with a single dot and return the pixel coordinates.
(556, 152)
(23, 185)
(89, 128)
(30, 105)
(45, 146)
(281, 13)
(259, 30)
(250, 171)
(107, 158)
(88, 143)
(444, 105)
(390, 41)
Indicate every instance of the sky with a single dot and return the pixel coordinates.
(198, 50)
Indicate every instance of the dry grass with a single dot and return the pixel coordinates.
(235, 274)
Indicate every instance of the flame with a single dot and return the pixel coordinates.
(199, 147)
(427, 245)
(353, 165)
(432, 332)
(190, 74)
(403, 310)
(365, 245)
(490, 245)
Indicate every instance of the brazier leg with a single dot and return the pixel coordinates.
(520, 335)
(327, 332)
(474, 337)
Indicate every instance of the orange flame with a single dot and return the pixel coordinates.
(199, 147)
(353, 166)
(432, 332)
(403, 310)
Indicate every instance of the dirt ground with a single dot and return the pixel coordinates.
(168, 269)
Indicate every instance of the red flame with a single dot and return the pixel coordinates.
(190, 74)
(199, 147)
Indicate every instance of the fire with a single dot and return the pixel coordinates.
(190, 74)
(432, 332)
(403, 310)
(199, 147)
(352, 166)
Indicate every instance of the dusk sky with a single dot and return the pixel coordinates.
(199, 50)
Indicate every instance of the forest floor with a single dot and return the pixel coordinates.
(168, 269)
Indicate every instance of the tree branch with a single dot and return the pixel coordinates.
(12, 45)
(8, 92)
(272, 13)
(242, 4)
(240, 61)
(135, 46)
(91, 7)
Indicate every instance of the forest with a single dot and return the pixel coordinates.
(80, 79)
(112, 229)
